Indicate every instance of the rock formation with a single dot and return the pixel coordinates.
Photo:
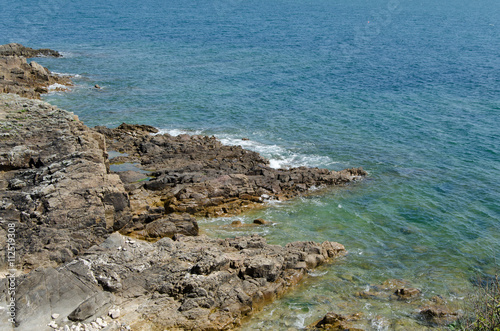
(23, 78)
(14, 49)
(60, 196)
(200, 176)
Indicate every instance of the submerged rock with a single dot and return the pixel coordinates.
(334, 321)
(437, 315)
(391, 289)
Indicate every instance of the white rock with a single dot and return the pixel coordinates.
(101, 322)
(53, 325)
(114, 313)
(55, 316)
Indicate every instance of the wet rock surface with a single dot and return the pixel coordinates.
(391, 289)
(436, 312)
(23, 78)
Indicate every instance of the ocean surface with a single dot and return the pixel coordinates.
(408, 90)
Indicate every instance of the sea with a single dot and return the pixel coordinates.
(408, 90)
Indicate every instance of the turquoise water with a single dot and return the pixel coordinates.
(409, 90)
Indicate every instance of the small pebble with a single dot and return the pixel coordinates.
(55, 316)
(114, 313)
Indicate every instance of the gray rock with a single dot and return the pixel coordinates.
(93, 306)
(45, 291)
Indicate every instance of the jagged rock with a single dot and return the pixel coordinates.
(167, 227)
(200, 176)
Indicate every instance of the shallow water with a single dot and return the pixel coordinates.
(410, 91)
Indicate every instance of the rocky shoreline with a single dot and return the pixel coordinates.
(80, 258)
(27, 80)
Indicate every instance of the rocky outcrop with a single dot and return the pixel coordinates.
(391, 289)
(14, 49)
(333, 321)
(437, 313)
(200, 176)
(54, 183)
(193, 283)
(23, 78)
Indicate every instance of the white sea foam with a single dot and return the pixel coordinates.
(278, 156)
(301, 319)
(63, 74)
(317, 273)
(56, 87)
(178, 132)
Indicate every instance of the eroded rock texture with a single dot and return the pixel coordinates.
(192, 283)
(54, 183)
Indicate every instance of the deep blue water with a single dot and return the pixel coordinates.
(409, 90)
